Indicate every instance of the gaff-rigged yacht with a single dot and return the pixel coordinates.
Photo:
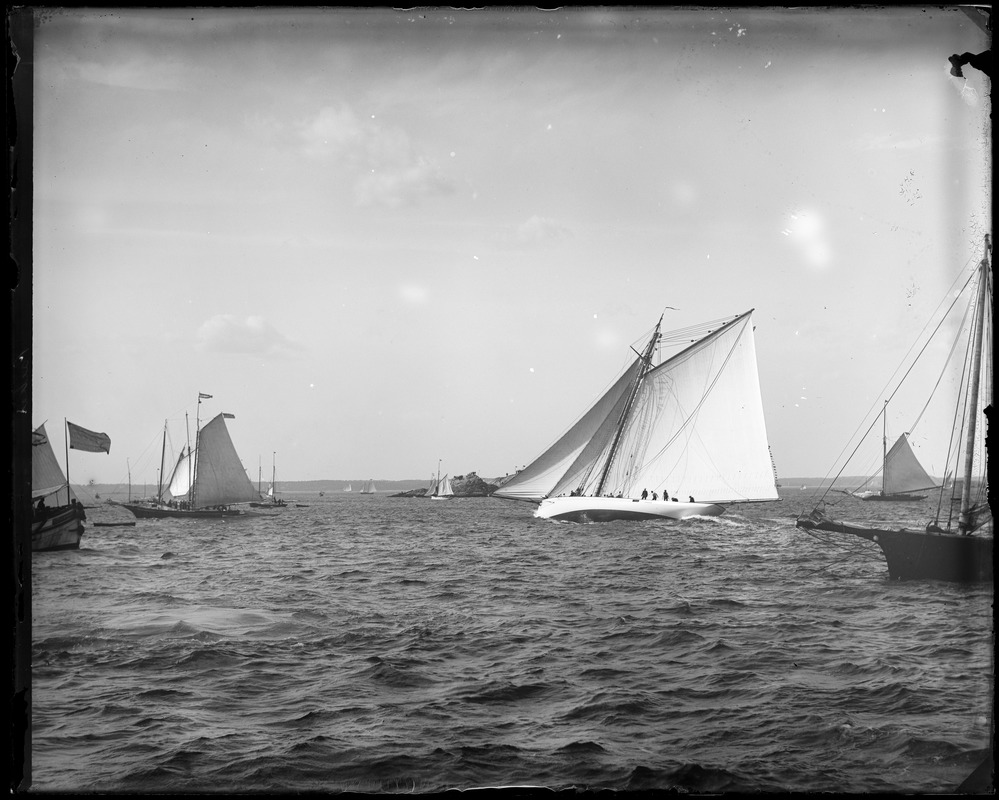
(678, 439)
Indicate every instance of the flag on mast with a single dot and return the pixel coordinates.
(90, 441)
(203, 396)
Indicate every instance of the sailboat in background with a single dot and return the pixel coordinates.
(206, 480)
(273, 501)
(369, 488)
(901, 473)
(58, 527)
(347, 488)
(441, 489)
(947, 549)
(693, 423)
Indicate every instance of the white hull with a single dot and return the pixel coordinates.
(606, 509)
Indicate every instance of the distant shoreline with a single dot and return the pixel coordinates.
(117, 491)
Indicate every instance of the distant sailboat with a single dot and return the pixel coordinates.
(347, 488)
(206, 481)
(369, 488)
(441, 489)
(58, 527)
(693, 424)
(273, 501)
(901, 473)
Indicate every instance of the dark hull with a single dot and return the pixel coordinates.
(60, 529)
(920, 555)
(156, 512)
(896, 498)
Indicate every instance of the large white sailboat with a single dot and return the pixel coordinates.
(678, 439)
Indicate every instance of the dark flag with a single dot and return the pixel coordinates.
(228, 416)
(203, 396)
(82, 439)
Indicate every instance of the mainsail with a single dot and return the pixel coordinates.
(443, 489)
(902, 471)
(694, 424)
(47, 476)
(219, 477)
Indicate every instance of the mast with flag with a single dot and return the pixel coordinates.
(197, 434)
(78, 438)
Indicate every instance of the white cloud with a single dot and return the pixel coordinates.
(388, 170)
(537, 232)
(226, 333)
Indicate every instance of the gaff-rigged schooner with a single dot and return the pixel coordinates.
(206, 481)
(441, 488)
(949, 549)
(689, 430)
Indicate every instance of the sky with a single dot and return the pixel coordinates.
(391, 240)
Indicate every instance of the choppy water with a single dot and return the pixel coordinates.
(369, 643)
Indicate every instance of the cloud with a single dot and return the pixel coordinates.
(536, 232)
(225, 333)
(388, 170)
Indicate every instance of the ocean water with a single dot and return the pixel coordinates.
(365, 643)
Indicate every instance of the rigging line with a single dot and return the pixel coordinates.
(902, 379)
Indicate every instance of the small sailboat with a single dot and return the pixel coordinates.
(207, 480)
(369, 488)
(347, 488)
(58, 527)
(948, 549)
(692, 424)
(441, 489)
(273, 501)
(902, 476)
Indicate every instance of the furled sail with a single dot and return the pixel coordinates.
(47, 476)
(219, 478)
(902, 472)
(695, 428)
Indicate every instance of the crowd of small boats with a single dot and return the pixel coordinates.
(695, 415)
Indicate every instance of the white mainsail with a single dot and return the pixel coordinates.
(902, 471)
(219, 477)
(695, 427)
(444, 489)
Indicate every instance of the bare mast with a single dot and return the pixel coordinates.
(965, 522)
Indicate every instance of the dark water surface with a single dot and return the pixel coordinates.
(370, 643)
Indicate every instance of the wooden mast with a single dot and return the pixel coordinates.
(884, 449)
(965, 522)
(645, 357)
